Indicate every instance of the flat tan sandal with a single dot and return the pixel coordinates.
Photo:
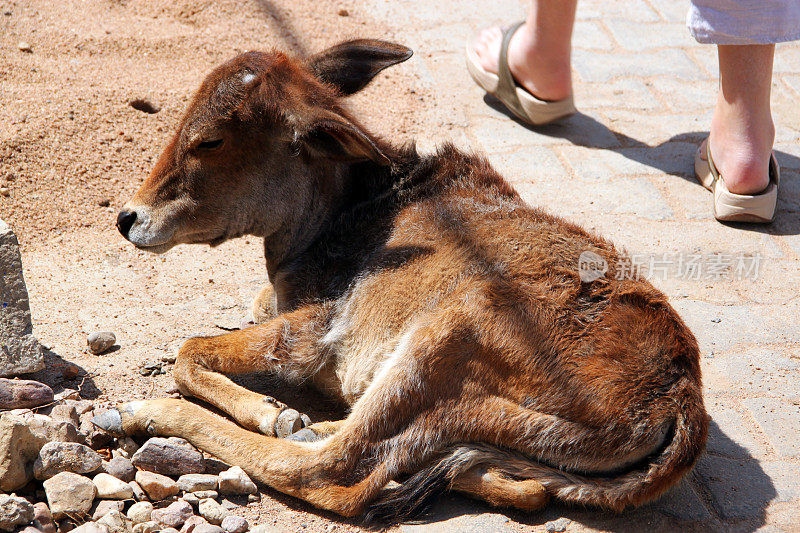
(520, 102)
(732, 207)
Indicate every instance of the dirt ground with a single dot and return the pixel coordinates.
(72, 151)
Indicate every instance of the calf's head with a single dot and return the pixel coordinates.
(263, 134)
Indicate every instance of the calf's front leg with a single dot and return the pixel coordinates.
(286, 345)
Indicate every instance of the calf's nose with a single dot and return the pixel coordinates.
(125, 221)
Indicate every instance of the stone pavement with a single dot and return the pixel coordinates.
(624, 167)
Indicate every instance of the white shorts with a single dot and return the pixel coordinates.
(744, 21)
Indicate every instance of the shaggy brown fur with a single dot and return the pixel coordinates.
(423, 292)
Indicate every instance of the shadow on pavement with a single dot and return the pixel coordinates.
(675, 157)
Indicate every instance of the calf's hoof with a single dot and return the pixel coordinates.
(109, 421)
(289, 422)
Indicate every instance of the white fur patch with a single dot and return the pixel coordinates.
(248, 78)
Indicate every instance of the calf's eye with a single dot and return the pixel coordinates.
(209, 145)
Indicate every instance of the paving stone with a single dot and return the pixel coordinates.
(780, 422)
(670, 10)
(531, 163)
(739, 488)
(763, 371)
(626, 93)
(20, 351)
(632, 10)
(683, 503)
(589, 35)
(648, 36)
(600, 66)
(729, 432)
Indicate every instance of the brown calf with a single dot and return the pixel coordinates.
(423, 292)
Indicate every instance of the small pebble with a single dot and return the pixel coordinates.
(24, 47)
(557, 526)
(100, 341)
(192, 522)
(203, 494)
(344, 13)
(120, 468)
(195, 482)
(69, 494)
(5, 192)
(115, 522)
(172, 456)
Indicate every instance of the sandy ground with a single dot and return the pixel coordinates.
(72, 151)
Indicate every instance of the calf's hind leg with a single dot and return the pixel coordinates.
(286, 345)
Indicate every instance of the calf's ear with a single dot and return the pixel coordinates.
(335, 137)
(351, 65)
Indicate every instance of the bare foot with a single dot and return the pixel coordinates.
(539, 68)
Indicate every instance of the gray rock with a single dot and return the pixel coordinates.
(69, 494)
(169, 530)
(203, 494)
(103, 507)
(140, 512)
(235, 524)
(91, 527)
(14, 512)
(174, 515)
(120, 468)
(56, 457)
(23, 393)
(116, 522)
(228, 505)
(100, 341)
(195, 482)
(42, 518)
(20, 351)
(170, 457)
(64, 412)
(110, 488)
(52, 430)
(191, 499)
(212, 511)
(95, 437)
(236, 481)
(19, 446)
(156, 486)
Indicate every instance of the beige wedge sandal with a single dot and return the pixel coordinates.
(732, 207)
(520, 102)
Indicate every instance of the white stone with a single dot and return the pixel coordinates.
(111, 488)
(140, 512)
(236, 481)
